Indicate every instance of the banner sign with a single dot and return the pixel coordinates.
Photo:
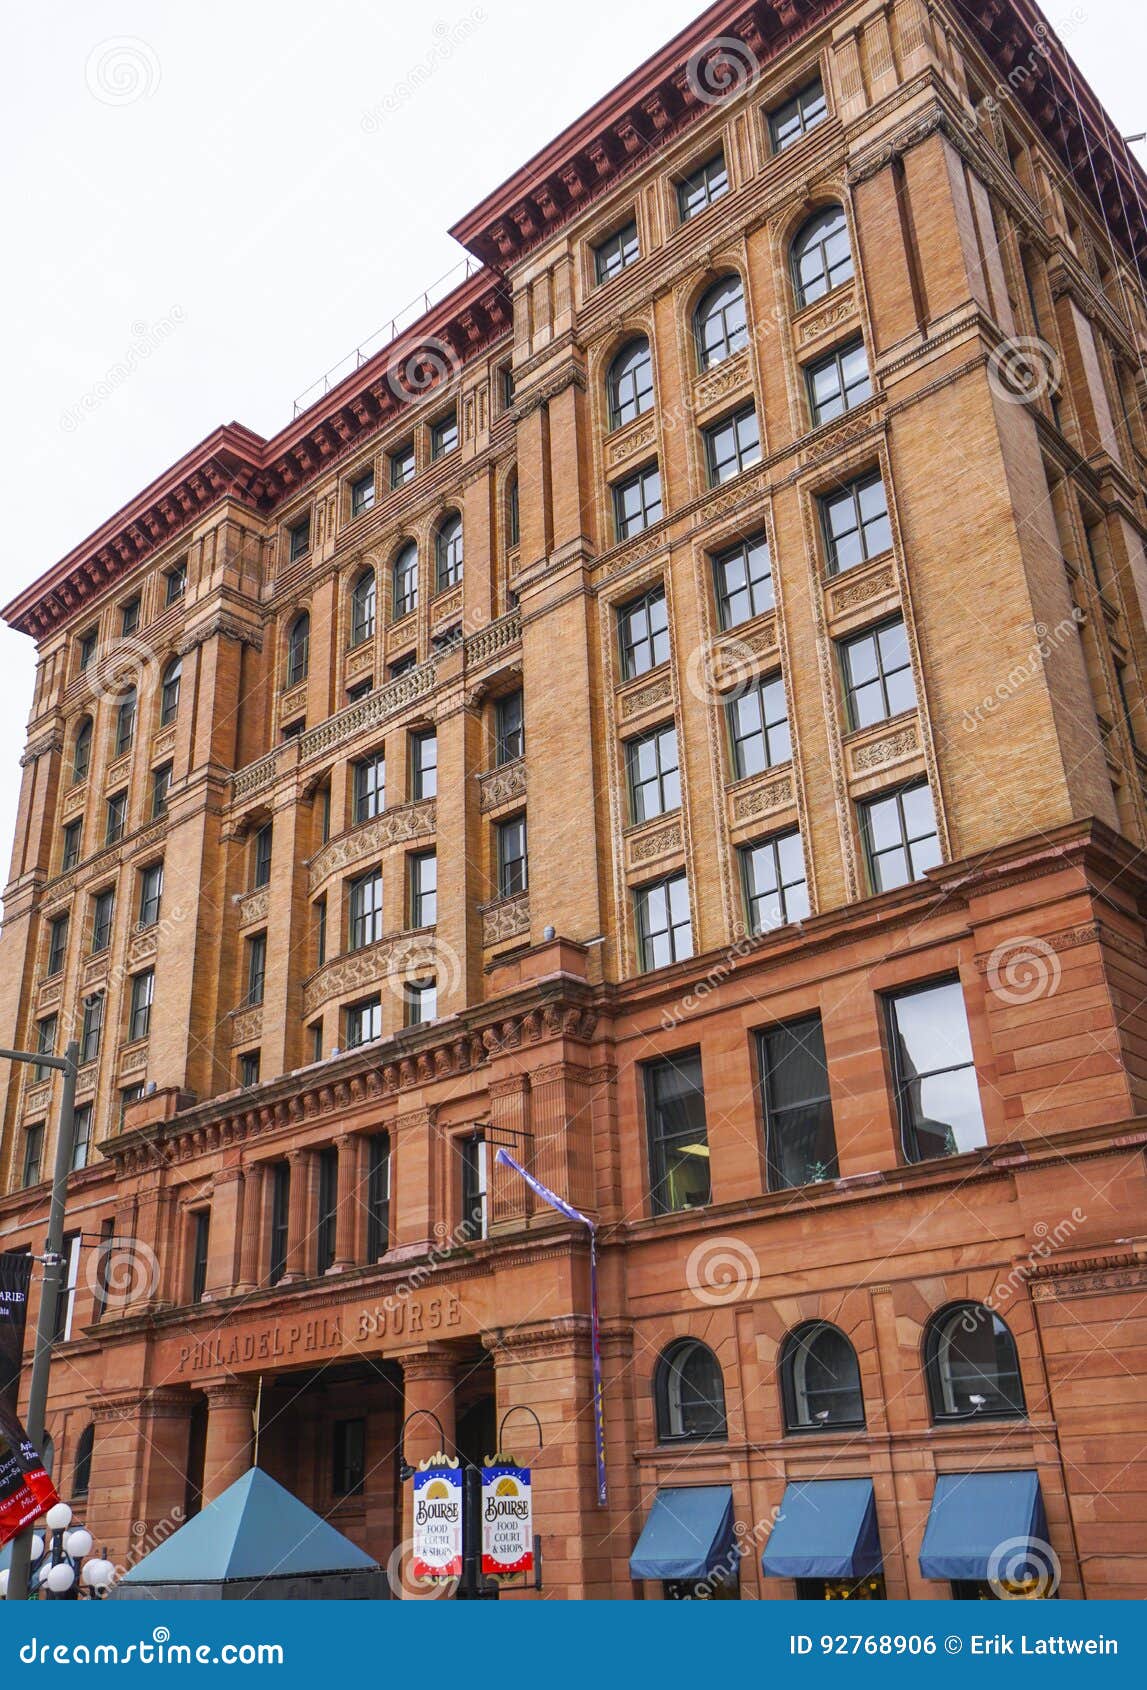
(26, 1491)
(567, 1209)
(507, 1520)
(437, 1523)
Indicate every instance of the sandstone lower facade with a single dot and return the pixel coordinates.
(447, 1287)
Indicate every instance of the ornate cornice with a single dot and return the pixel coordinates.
(221, 624)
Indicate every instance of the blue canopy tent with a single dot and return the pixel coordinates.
(688, 1534)
(976, 1515)
(256, 1541)
(826, 1529)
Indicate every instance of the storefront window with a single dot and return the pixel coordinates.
(842, 1590)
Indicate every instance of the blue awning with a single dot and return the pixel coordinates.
(687, 1534)
(826, 1529)
(975, 1515)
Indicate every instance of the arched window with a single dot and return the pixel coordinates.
(629, 383)
(362, 608)
(820, 1379)
(719, 322)
(448, 552)
(48, 1451)
(299, 649)
(821, 255)
(690, 1393)
(82, 1465)
(169, 697)
(82, 754)
(972, 1367)
(404, 597)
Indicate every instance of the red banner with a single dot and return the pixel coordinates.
(26, 1491)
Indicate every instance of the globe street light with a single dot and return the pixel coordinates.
(59, 1561)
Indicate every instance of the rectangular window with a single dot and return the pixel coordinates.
(474, 1185)
(423, 889)
(1125, 701)
(89, 645)
(369, 788)
(637, 502)
(102, 918)
(664, 925)
(797, 116)
(365, 906)
(160, 786)
(401, 665)
(744, 581)
(57, 945)
(709, 182)
(404, 575)
(643, 633)
(855, 523)
(175, 583)
(678, 1135)
(326, 1215)
(799, 1134)
(513, 868)
(256, 968)
(115, 818)
(200, 1238)
(509, 729)
(444, 436)
(150, 894)
(70, 855)
(653, 775)
(66, 1293)
(280, 1220)
(82, 1138)
(759, 728)
(732, 445)
(616, 253)
(420, 1002)
(299, 539)
(877, 672)
(320, 931)
(362, 494)
(937, 1094)
(100, 1277)
(249, 1068)
(402, 465)
(125, 724)
(261, 857)
(128, 618)
(900, 839)
(423, 765)
(773, 878)
(361, 689)
(45, 1046)
(92, 1027)
(33, 1153)
(377, 1197)
(128, 1094)
(316, 1032)
(838, 383)
(348, 1477)
(142, 996)
(506, 387)
(363, 1022)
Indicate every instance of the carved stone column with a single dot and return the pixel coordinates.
(230, 1435)
(349, 1249)
(253, 1230)
(298, 1216)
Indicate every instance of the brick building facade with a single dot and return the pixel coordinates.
(677, 714)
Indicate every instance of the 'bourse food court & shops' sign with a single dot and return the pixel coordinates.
(507, 1521)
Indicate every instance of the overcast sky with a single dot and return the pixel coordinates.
(229, 198)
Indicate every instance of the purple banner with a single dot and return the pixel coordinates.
(564, 1208)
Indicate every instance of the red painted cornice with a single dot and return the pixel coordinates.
(236, 463)
(652, 106)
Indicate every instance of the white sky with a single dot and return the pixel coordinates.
(249, 191)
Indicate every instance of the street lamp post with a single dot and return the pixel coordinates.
(53, 1265)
